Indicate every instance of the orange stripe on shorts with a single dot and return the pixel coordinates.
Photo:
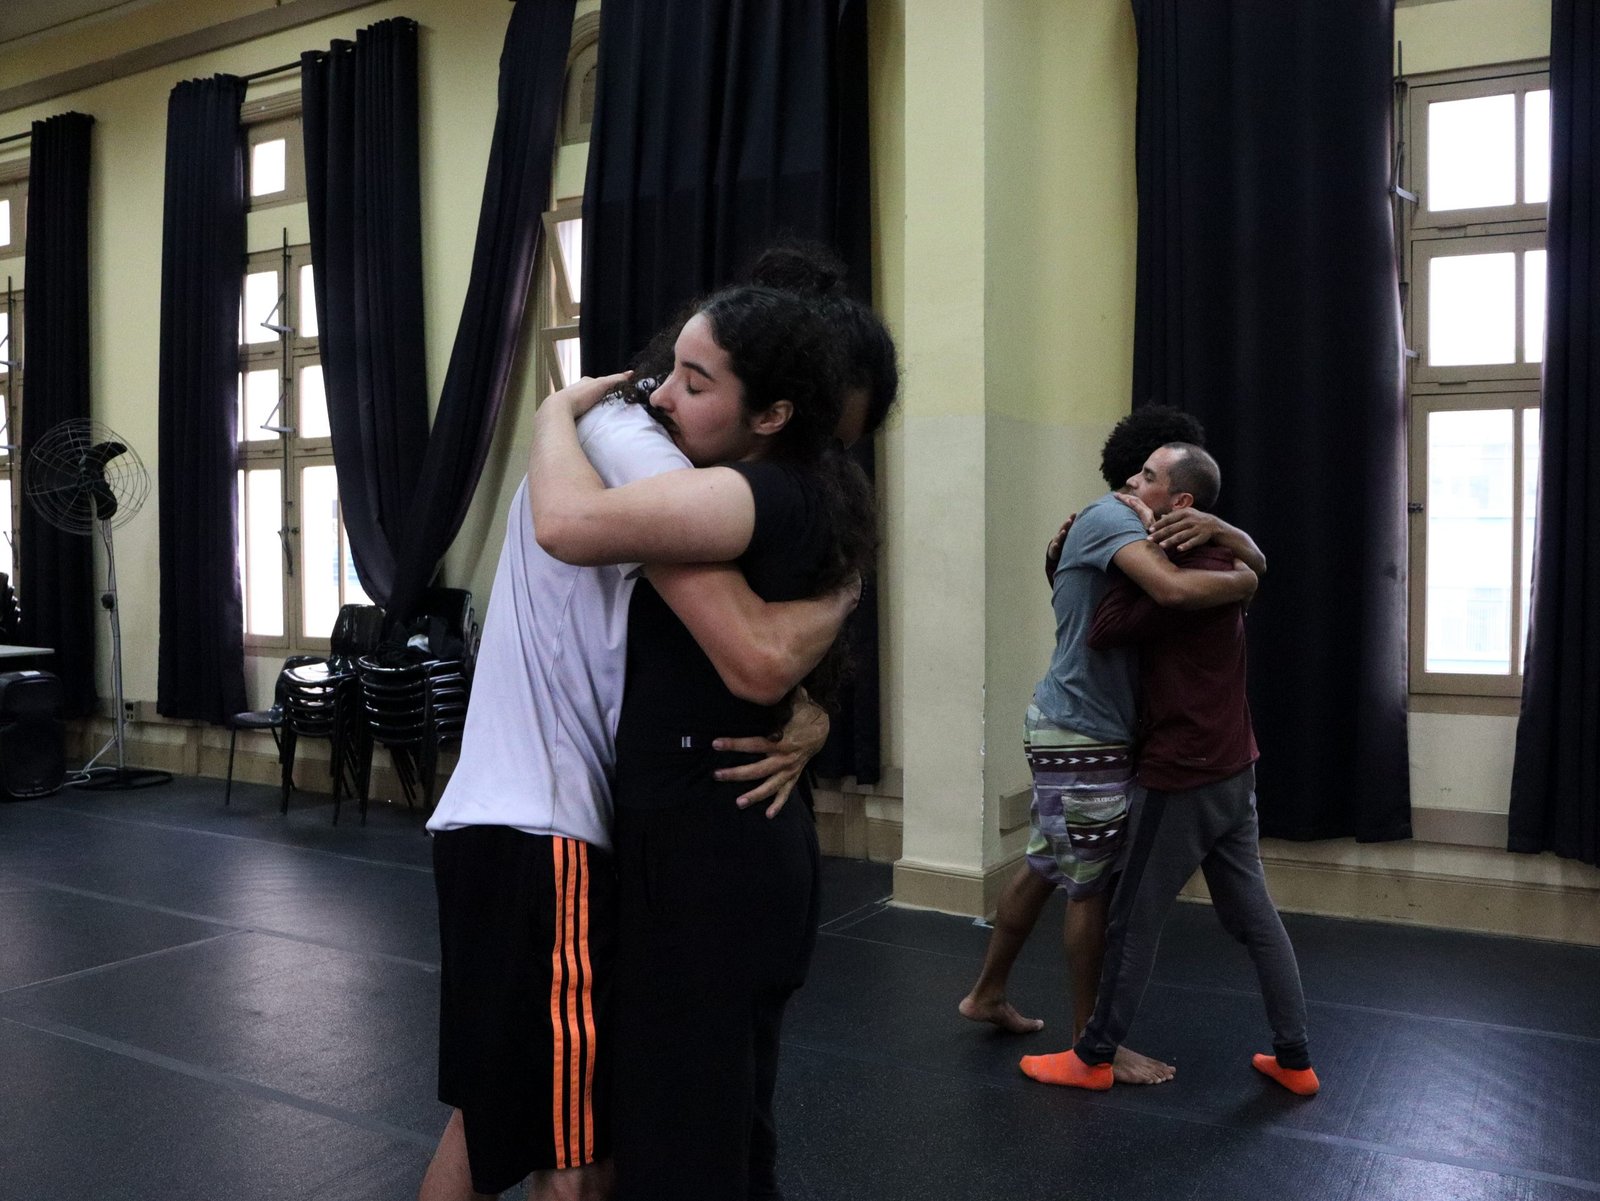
(588, 1008)
(558, 1028)
(569, 937)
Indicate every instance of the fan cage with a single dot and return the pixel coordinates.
(61, 490)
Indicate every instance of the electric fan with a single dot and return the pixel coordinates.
(81, 477)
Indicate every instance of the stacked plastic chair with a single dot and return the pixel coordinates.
(317, 704)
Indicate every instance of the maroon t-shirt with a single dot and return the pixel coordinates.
(1195, 720)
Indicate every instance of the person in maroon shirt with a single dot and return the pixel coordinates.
(1196, 769)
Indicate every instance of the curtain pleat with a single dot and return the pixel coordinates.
(56, 568)
(1267, 306)
(201, 672)
(364, 195)
(1555, 779)
(405, 488)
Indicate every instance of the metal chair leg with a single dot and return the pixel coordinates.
(289, 740)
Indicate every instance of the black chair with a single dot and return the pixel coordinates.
(357, 631)
(446, 616)
(317, 704)
(262, 719)
(412, 706)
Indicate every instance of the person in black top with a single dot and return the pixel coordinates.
(718, 905)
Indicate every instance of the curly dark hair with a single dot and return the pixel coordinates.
(814, 271)
(1140, 434)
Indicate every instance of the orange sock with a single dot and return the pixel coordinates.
(1064, 1067)
(1300, 1081)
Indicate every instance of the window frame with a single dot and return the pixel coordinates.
(558, 312)
(1427, 235)
(287, 354)
(14, 187)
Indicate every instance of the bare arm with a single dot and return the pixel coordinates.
(1185, 529)
(761, 649)
(692, 516)
(1149, 568)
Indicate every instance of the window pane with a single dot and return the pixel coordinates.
(1533, 304)
(5, 343)
(260, 304)
(1530, 513)
(7, 557)
(1472, 152)
(1536, 148)
(261, 564)
(354, 593)
(5, 424)
(319, 542)
(308, 303)
(268, 161)
(569, 239)
(568, 360)
(259, 396)
(312, 417)
(1472, 309)
(5, 222)
(1469, 541)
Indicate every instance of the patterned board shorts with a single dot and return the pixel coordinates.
(1079, 815)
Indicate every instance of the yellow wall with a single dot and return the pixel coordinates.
(459, 54)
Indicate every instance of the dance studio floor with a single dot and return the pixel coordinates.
(224, 1004)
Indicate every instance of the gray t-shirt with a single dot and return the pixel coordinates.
(1092, 692)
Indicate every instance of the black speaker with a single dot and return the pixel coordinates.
(33, 758)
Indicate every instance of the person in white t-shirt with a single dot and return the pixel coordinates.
(522, 832)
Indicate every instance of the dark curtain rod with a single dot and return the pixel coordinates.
(255, 75)
(16, 137)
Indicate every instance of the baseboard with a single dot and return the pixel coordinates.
(1448, 887)
(950, 889)
(1459, 827)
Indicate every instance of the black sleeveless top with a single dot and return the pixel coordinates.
(672, 691)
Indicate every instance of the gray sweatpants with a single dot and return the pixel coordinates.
(1212, 828)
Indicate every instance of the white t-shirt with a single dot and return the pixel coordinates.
(539, 746)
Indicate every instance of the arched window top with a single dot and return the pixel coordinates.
(577, 106)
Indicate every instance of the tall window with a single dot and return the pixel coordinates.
(562, 280)
(1475, 308)
(10, 428)
(294, 555)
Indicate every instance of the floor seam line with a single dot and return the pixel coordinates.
(1312, 1136)
(244, 928)
(236, 1084)
(1216, 990)
(97, 969)
(267, 842)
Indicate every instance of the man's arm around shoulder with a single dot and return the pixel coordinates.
(1181, 588)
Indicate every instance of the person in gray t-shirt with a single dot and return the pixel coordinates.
(1080, 725)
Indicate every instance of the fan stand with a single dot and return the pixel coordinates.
(120, 778)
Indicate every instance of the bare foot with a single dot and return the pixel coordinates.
(1130, 1067)
(999, 1014)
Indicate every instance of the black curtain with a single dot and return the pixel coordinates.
(405, 489)
(363, 189)
(719, 126)
(202, 254)
(55, 568)
(516, 193)
(1267, 306)
(1555, 787)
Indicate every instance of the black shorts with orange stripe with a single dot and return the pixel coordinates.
(527, 930)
